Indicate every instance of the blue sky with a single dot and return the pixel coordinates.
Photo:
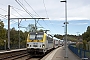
(55, 26)
(77, 12)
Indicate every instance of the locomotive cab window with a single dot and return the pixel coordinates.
(32, 37)
(39, 37)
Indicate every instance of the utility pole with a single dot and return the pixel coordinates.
(65, 1)
(77, 36)
(8, 26)
(19, 32)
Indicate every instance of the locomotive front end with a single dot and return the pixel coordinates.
(36, 43)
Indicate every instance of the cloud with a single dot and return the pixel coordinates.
(68, 19)
(76, 18)
(79, 23)
(76, 9)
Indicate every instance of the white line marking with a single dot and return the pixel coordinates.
(52, 54)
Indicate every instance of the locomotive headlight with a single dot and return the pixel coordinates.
(27, 45)
(43, 45)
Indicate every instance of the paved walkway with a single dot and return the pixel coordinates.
(59, 54)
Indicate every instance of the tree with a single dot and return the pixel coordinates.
(1, 24)
(14, 38)
(86, 35)
(2, 34)
(41, 30)
(58, 36)
(31, 28)
(2, 30)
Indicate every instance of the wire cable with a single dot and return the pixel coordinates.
(31, 7)
(24, 8)
(17, 12)
(45, 8)
(3, 9)
(3, 16)
(18, 9)
(33, 10)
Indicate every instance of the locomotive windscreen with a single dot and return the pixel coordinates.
(36, 35)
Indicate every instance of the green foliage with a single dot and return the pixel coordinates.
(31, 28)
(86, 39)
(40, 30)
(1, 24)
(14, 37)
(69, 37)
(58, 36)
(84, 44)
(89, 45)
(2, 30)
(2, 34)
(86, 35)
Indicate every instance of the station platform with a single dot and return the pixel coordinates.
(14, 50)
(59, 54)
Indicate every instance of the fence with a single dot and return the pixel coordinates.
(84, 54)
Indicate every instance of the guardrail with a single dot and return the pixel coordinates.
(83, 54)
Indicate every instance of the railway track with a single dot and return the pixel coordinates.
(34, 58)
(13, 56)
(19, 56)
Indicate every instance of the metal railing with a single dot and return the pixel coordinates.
(83, 54)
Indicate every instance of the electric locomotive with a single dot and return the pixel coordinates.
(38, 43)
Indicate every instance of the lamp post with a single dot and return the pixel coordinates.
(64, 38)
(65, 28)
(5, 44)
(77, 34)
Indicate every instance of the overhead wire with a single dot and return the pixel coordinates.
(14, 8)
(24, 7)
(6, 11)
(3, 9)
(21, 10)
(36, 13)
(30, 7)
(45, 8)
(18, 9)
(47, 13)
(17, 12)
(3, 16)
(33, 10)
